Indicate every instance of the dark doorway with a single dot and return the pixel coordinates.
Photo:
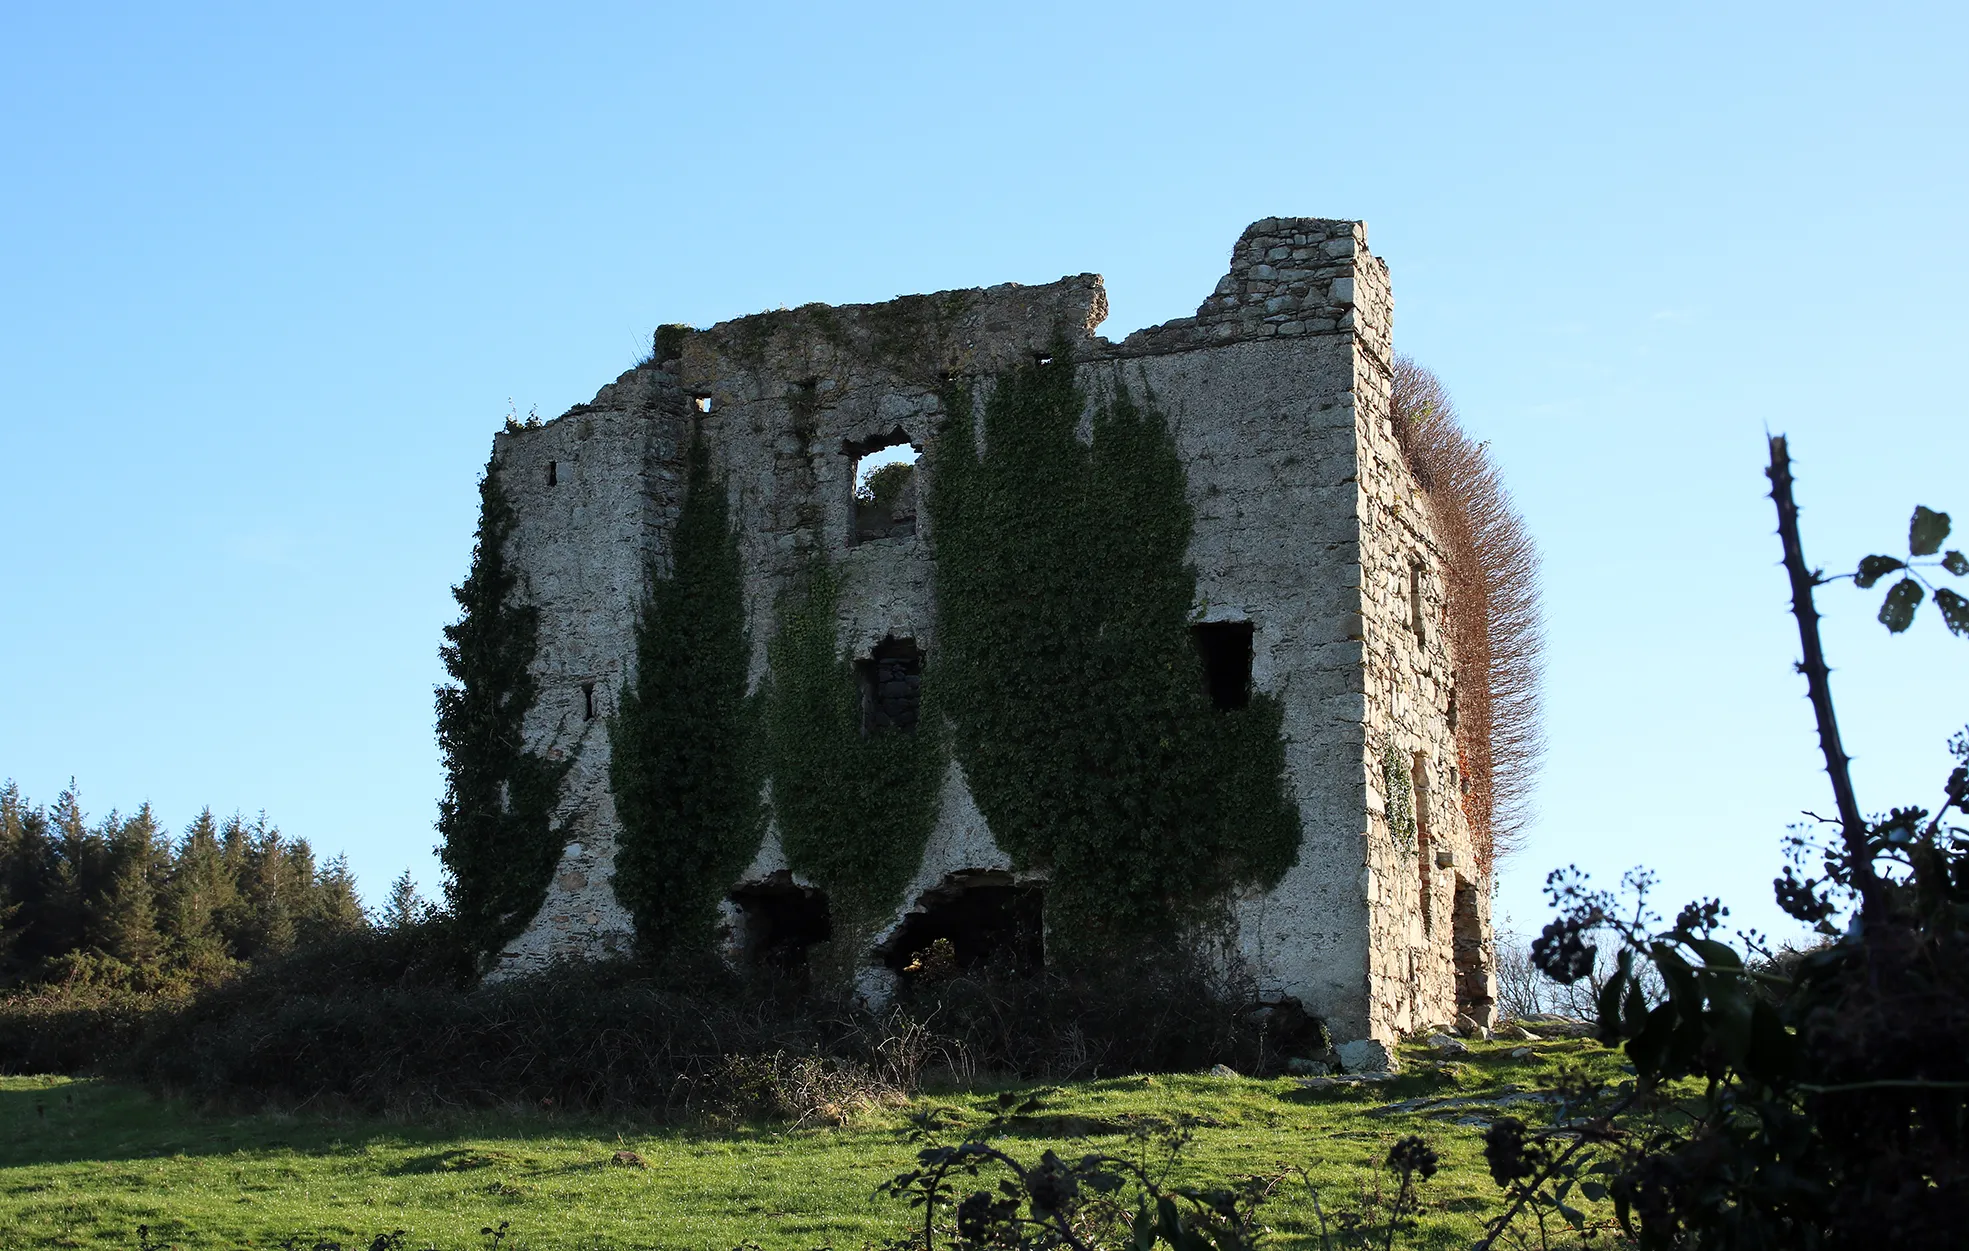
(891, 686)
(972, 920)
(1225, 647)
(779, 920)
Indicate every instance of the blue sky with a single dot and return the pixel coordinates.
(273, 275)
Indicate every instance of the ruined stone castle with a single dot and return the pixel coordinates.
(1319, 572)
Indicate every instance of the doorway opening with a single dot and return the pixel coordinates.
(970, 920)
(1473, 996)
(778, 920)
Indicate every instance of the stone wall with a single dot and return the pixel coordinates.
(1308, 525)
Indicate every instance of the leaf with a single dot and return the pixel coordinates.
(1716, 955)
(1956, 563)
(1897, 612)
(1574, 1217)
(1926, 531)
(1955, 610)
(1874, 568)
(1593, 1190)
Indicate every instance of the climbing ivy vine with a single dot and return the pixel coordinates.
(854, 809)
(682, 762)
(1398, 791)
(1078, 701)
(499, 841)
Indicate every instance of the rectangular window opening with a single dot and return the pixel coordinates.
(553, 472)
(587, 701)
(884, 477)
(1225, 649)
(703, 403)
(891, 686)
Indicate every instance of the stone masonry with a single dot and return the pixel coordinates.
(1309, 527)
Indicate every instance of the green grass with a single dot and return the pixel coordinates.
(83, 1163)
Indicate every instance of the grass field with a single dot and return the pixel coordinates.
(85, 1163)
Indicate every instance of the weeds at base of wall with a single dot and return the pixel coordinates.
(375, 1024)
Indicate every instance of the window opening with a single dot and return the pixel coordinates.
(884, 500)
(1415, 601)
(587, 701)
(891, 686)
(1042, 358)
(778, 921)
(703, 403)
(1425, 855)
(1473, 996)
(971, 920)
(553, 473)
(1225, 648)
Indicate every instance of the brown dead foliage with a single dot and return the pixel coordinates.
(1493, 624)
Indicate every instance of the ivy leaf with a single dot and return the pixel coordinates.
(1956, 563)
(1926, 531)
(1593, 1190)
(1897, 613)
(1874, 568)
(1955, 610)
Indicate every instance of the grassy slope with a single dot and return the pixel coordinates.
(83, 1163)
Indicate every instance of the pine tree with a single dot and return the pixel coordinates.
(200, 890)
(124, 917)
(403, 907)
(500, 843)
(333, 907)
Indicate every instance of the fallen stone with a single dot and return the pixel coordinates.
(1522, 1053)
(1366, 1055)
(1220, 1070)
(1448, 1047)
(1299, 1066)
(1511, 1031)
(1341, 1080)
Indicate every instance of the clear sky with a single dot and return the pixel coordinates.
(273, 275)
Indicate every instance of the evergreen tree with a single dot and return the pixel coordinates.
(333, 908)
(685, 790)
(500, 843)
(403, 907)
(200, 890)
(123, 919)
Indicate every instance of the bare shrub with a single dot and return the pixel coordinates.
(1493, 626)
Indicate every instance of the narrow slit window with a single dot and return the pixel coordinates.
(703, 403)
(553, 473)
(587, 701)
(1415, 602)
(1225, 649)
(1424, 854)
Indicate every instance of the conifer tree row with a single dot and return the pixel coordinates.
(499, 841)
(119, 903)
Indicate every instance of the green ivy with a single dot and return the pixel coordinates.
(500, 843)
(682, 764)
(854, 809)
(1398, 790)
(1078, 700)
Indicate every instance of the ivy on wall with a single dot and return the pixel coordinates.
(1077, 699)
(499, 842)
(1398, 795)
(682, 763)
(854, 809)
